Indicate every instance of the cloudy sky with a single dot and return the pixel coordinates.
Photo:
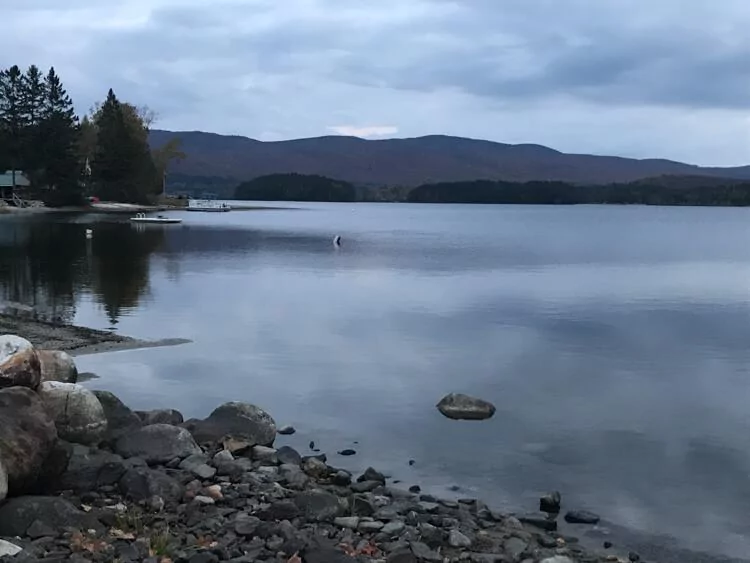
(669, 78)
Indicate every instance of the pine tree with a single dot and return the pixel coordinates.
(33, 95)
(11, 115)
(59, 139)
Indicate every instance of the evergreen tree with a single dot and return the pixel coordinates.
(59, 139)
(33, 95)
(11, 114)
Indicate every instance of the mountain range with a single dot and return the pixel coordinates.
(413, 161)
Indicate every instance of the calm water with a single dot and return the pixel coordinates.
(614, 341)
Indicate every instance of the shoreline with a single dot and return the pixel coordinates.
(73, 339)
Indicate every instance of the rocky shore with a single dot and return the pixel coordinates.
(85, 478)
(50, 334)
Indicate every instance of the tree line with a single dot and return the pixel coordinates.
(666, 190)
(65, 158)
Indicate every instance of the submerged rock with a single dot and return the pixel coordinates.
(240, 420)
(27, 436)
(550, 502)
(581, 517)
(457, 406)
(57, 366)
(78, 414)
(19, 363)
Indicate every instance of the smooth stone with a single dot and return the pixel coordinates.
(557, 559)
(160, 416)
(19, 363)
(457, 539)
(142, 483)
(365, 486)
(540, 521)
(57, 366)
(347, 452)
(319, 505)
(287, 430)
(401, 556)
(458, 406)
(120, 419)
(349, 522)
(342, 478)
(288, 455)
(371, 474)
(27, 439)
(198, 466)
(246, 525)
(581, 517)
(9, 549)
(428, 507)
(223, 456)
(79, 416)
(515, 547)
(422, 551)
(157, 443)
(19, 513)
(240, 420)
(393, 528)
(89, 468)
(263, 453)
(202, 499)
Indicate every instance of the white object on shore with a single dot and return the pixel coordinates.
(207, 205)
(337, 241)
(141, 218)
(89, 233)
(9, 549)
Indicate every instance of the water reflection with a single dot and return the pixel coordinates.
(50, 265)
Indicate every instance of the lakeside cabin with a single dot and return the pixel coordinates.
(9, 190)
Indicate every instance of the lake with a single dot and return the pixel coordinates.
(614, 341)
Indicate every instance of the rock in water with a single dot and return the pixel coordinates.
(157, 443)
(27, 436)
(120, 419)
(550, 502)
(78, 414)
(457, 406)
(581, 517)
(19, 363)
(240, 420)
(57, 366)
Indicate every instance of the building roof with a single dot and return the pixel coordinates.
(6, 179)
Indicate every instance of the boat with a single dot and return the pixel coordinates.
(142, 218)
(207, 206)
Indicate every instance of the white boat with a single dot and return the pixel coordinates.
(207, 206)
(141, 218)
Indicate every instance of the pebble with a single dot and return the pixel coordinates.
(393, 528)
(349, 522)
(348, 452)
(370, 526)
(200, 499)
(581, 517)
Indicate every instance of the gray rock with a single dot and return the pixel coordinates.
(428, 507)
(422, 551)
(371, 474)
(197, 464)
(287, 430)
(540, 520)
(142, 483)
(362, 506)
(19, 513)
(240, 420)
(19, 363)
(457, 539)
(222, 457)
(264, 453)
(57, 366)
(157, 443)
(370, 526)
(557, 559)
(161, 416)
(27, 437)
(315, 467)
(8, 549)
(393, 528)
(319, 550)
(320, 506)
(365, 486)
(78, 414)
(90, 468)
(581, 517)
(550, 502)
(246, 525)
(342, 478)
(515, 548)
(401, 556)
(201, 499)
(349, 522)
(120, 419)
(285, 454)
(457, 406)
(39, 529)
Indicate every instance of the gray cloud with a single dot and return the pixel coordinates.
(613, 77)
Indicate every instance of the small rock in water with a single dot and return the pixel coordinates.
(371, 474)
(416, 489)
(457, 406)
(348, 452)
(607, 544)
(312, 445)
(540, 521)
(412, 462)
(581, 517)
(633, 556)
(550, 502)
(287, 430)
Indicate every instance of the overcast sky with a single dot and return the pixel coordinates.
(669, 78)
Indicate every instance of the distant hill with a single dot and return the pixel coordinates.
(413, 162)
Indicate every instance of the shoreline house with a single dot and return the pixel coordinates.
(8, 187)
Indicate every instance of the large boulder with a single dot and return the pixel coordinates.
(120, 419)
(142, 483)
(457, 406)
(240, 420)
(17, 514)
(90, 468)
(27, 436)
(19, 363)
(57, 366)
(78, 414)
(157, 443)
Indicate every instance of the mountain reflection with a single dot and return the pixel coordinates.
(51, 264)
